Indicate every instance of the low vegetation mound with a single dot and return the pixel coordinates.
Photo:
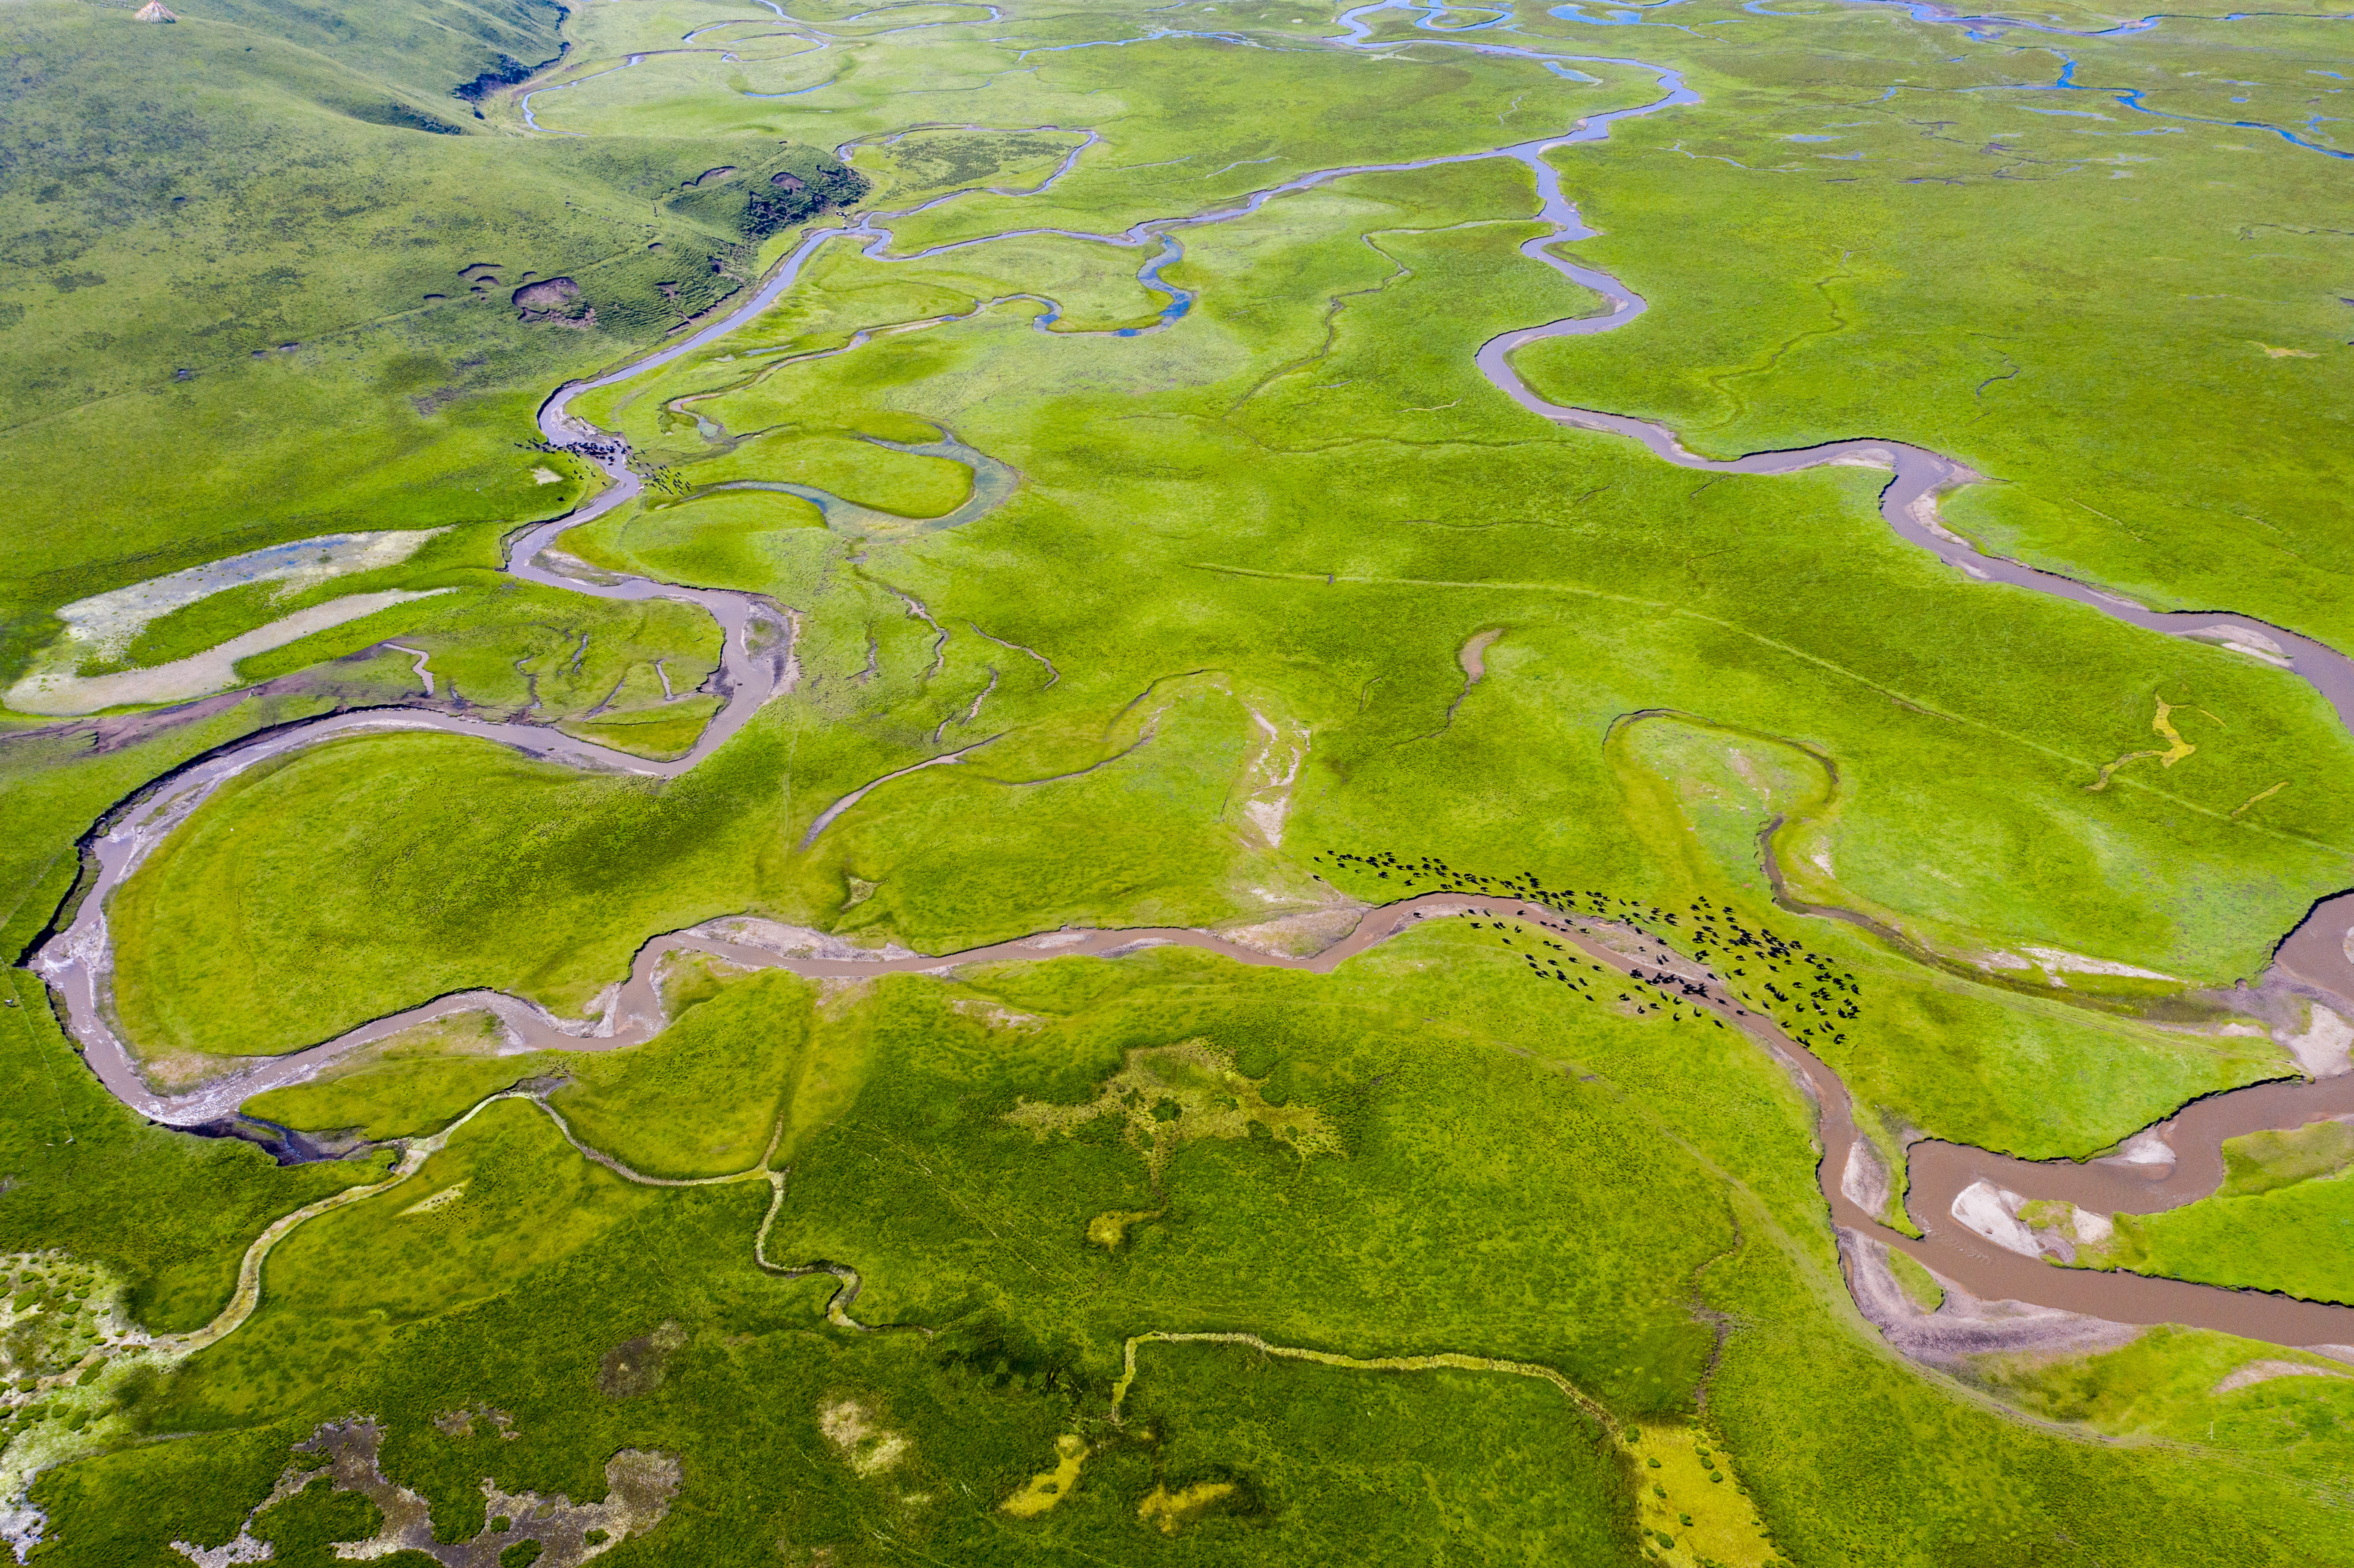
(1169, 1096)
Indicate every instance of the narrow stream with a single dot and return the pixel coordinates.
(758, 664)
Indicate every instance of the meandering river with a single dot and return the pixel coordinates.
(758, 664)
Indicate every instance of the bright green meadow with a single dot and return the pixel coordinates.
(1178, 515)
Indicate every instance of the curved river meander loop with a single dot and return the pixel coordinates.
(756, 663)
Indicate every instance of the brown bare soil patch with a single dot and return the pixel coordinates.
(637, 1366)
(556, 301)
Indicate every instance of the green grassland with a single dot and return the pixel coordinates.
(237, 235)
(1183, 574)
(408, 1086)
(1856, 180)
(2177, 1385)
(1650, 1170)
(1214, 634)
(2278, 1223)
(2293, 1240)
(171, 1212)
(497, 644)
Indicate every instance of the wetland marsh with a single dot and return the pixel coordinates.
(1108, 464)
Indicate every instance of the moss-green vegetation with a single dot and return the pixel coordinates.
(79, 1165)
(407, 1087)
(258, 296)
(2260, 1162)
(1206, 620)
(1166, 1096)
(2184, 1386)
(2281, 1222)
(1509, 1181)
(706, 1098)
(1862, 166)
(1690, 1504)
(1776, 1392)
(333, 995)
(304, 1527)
(1919, 1284)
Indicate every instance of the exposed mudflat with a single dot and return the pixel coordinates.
(1963, 1326)
(59, 693)
(105, 625)
(639, 1489)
